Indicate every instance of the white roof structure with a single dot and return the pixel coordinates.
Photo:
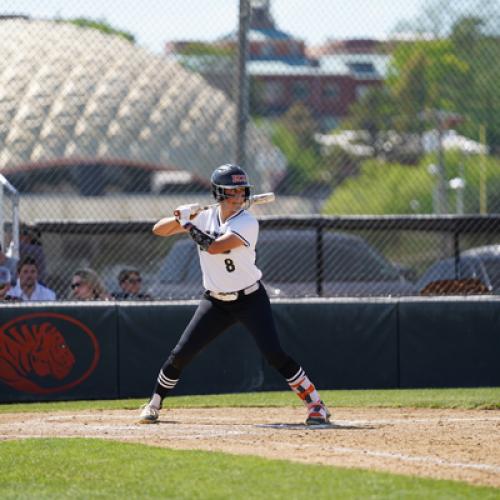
(354, 142)
(358, 66)
(452, 140)
(71, 92)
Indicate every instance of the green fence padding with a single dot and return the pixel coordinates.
(148, 333)
(342, 344)
(58, 352)
(450, 342)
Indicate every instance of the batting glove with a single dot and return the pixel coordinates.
(182, 214)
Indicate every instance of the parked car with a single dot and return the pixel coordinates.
(289, 262)
(482, 263)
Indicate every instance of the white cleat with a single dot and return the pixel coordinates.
(149, 414)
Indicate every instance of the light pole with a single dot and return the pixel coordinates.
(241, 82)
(483, 197)
(441, 201)
(442, 121)
(433, 170)
(458, 185)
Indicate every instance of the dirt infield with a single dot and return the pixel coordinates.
(447, 444)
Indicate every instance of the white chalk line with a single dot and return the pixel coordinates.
(131, 437)
(384, 421)
(403, 457)
(411, 421)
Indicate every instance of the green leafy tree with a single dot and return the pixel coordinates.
(418, 84)
(436, 18)
(339, 165)
(382, 188)
(424, 76)
(300, 122)
(478, 94)
(472, 27)
(307, 171)
(392, 188)
(102, 26)
(301, 161)
(410, 91)
(206, 49)
(374, 113)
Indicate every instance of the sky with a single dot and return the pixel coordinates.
(154, 22)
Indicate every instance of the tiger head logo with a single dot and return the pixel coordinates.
(27, 350)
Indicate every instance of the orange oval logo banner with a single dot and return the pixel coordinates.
(45, 353)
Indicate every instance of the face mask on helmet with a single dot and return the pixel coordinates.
(229, 177)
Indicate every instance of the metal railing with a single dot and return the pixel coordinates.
(9, 216)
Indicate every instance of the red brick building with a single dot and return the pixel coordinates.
(283, 71)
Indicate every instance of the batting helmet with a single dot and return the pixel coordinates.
(229, 177)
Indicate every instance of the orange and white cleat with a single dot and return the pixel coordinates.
(317, 414)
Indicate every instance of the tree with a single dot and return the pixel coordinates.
(100, 25)
(438, 17)
(411, 92)
(374, 113)
(478, 94)
(391, 188)
(300, 122)
(470, 30)
(308, 173)
(206, 49)
(425, 75)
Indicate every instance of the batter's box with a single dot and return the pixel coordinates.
(302, 427)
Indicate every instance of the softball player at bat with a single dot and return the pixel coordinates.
(226, 235)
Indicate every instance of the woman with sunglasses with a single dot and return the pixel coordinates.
(86, 285)
(130, 282)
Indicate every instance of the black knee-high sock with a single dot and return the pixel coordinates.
(166, 381)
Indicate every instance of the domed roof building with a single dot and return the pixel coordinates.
(71, 94)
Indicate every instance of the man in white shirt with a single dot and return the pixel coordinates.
(27, 287)
(226, 235)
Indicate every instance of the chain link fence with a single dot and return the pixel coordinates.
(366, 142)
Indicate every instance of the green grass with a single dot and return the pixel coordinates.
(90, 468)
(469, 398)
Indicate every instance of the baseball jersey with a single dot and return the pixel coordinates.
(235, 269)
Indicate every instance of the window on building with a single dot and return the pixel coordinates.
(300, 90)
(267, 50)
(272, 91)
(362, 68)
(331, 90)
(295, 50)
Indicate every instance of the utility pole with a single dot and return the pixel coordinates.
(483, 198)
(241, 82)
(442, 120)
(441, 199)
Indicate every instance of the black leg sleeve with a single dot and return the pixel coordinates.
(207, 323)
